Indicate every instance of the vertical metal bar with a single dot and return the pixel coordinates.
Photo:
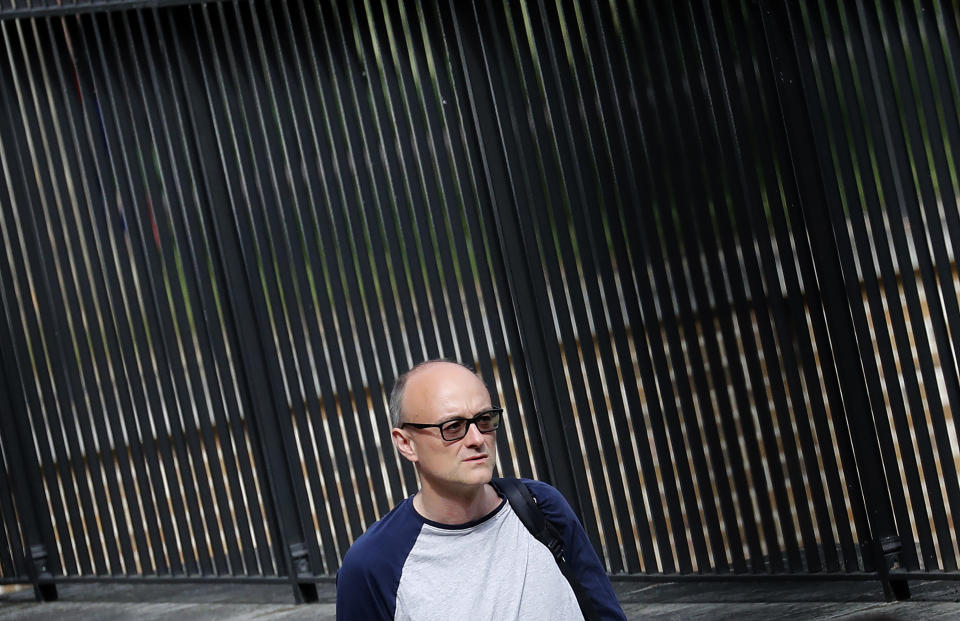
(210, 444)
(563, 261)
(474, 245)
(75, 427)
(333, 308)
(394, 249)
(437, 185)
(565, 124)
(634, 251)
(312, 342)
(887, 300)
(107, 439)
(13, 544)
(764, 284)
(27, 486)
(161, 254)
(153, 458)
(265, 390)
(792, 332)
(191, 428)
(26, 483)
(350, 308)
(941, 224)
(236, 309)
(213, 440)
(93, 427)
(848, 194)
(792, 98)
(708, 266)
(406, 244)
(66, 446)
(919, 206)
(373, 359)
(674, 254)
(851, 557)
(877, 292)
(117, 431)
(367, 269)
(613, 167)
(14, 244)
(524, 287)
(777, 337)
(231, 243)
(420, 234)
(877, 204)
(506, 342)
(11, 540)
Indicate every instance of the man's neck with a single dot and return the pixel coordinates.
(456, 508)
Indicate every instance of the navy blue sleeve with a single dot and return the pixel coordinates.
(363, 591)
(581, 556)
(370, 574)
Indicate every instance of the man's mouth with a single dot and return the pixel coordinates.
(476, 458)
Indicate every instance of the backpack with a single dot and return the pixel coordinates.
(524, 504)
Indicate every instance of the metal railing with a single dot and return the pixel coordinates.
(701, 254)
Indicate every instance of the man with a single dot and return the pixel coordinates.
(455, 549)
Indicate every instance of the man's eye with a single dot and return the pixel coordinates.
(454, 425)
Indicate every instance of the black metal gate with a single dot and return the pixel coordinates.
(702, 253)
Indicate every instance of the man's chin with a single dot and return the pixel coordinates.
(479, 474)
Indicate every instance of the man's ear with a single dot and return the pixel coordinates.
(402, 441)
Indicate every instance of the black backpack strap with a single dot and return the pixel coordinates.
(524, 504)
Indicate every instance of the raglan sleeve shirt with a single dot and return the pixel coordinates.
(404, 566)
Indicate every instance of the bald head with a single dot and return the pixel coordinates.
(427, 382)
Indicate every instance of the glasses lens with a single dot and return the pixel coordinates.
(488, 421)
(454, 429)
(457, 428)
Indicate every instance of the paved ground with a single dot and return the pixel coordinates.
(698, 601)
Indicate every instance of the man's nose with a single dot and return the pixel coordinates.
(474, 436)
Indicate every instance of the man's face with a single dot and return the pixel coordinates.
(436, 394)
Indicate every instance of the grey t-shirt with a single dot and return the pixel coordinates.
(489, 569)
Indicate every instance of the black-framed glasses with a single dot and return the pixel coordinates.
(486, 421)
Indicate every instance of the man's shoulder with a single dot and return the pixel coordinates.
(582, 557)
(368, 577)
(551, 502)
(546, 494)
(539, 488)
(387, 540)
